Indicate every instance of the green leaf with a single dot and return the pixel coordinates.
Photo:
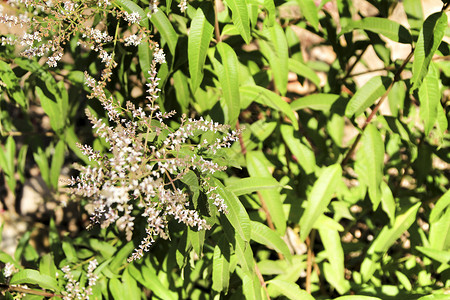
(370, 162)
(366, 95)
(442, 256)
(180, 83)
(52, 109)
(29, 276)
(237, 214)
(414, 12)
(304, 155)
(357, 297)
(227, 71)
(439, 207)
(258, 167)
(321, 102)
(132, 291)
(266, 236)
(200, 35)
(69, 251)
(47, 265)
(430, 98)
(249, 185)
(57, 163)
(145, 57)
(165, 28)
(309, 11)
(275, 50)
(9, 78)
(430, 38)
(266, 97)
(119, 258)
(319, 198)
(197, 240)
(240, 17)
(289, 290)
(116, 289)
(388, 201)
(269, 5)
(304, 71)
(440, 232)
(148, 278)
(221, 266)
(21, 160)
(403, 279)
(390, 29)
(386, 239)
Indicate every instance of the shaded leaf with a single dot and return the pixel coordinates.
(321, 102)
(304, 155)
(304, 71)
(390, 29)
(430, 98)
(249, 185)
(266, 236)
(29, 276)
(240, 17)
(165, 28)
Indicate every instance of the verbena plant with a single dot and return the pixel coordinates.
(204, 173)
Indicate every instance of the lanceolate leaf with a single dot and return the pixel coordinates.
(304, 155)
(441, 204)
(264, 96)
(429, 40)
(29, 276)
(236, 212)
(430, 98)
(440, 232)
(240, 17)
(388, 201)
(253, 184)
(438, 255)
(390, 29)
(275, 49)
(319, 198)
(200, 35)
(227, 70)
(257, 167)
(265, 236)
(309, 11)
(303, 70)
(386, 239)
(414, 12)
(221, 266)
(289, 289)
(369, 165)
(57, 163)
(165, 28)
(269, 5)
(367, 95)
(52, 109)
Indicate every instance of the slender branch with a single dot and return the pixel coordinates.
(371, 71)
(309, 260)
(261, 280)
(350, 69)
(241, 140)
(377, 107)
(12, 288)
(18, 133)
(216, 22)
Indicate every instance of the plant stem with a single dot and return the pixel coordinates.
(216, 22)
(269, 218)
(261, 280)
(377, 107)
(12, 288)
(309, 260)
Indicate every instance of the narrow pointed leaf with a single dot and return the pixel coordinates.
(304, 71)
(370, 162)
(439, 207)
(309, 11)
(275, 49)
(253, 93)
(321, 102)
(236, 215)
(227, 70)
(257, 167)
(266, 236)
(388, 201)
(269, 5)
(390, 29)
(289, 289)
(200, 35)
(165, 28)
(240, 17)
(430, 38)
(304, 155)
(221, 266)
(438, 255)
(367, 95)
(57, 163)
(253, 184)
(319, 198)
(29, 276)
(430, 98)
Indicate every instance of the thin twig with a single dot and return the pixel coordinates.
(12, 288)
(216, 22)
(350, 69)
(241, 140)
(309, 260)
(269, 218)
(261, 280)
(376, 108)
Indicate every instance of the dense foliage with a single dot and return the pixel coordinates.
(227, 149)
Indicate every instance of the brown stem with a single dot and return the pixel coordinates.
(309, 260)
(261, 280)
(376, 108)
(371, 71)
(350, 69)
(12, 288)
(18, 133)
(216, 22)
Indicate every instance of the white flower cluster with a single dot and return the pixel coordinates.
(132, 18)
(133, 40)
(147, 163)
(183, 5)
(73, 289)
(8, 270)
